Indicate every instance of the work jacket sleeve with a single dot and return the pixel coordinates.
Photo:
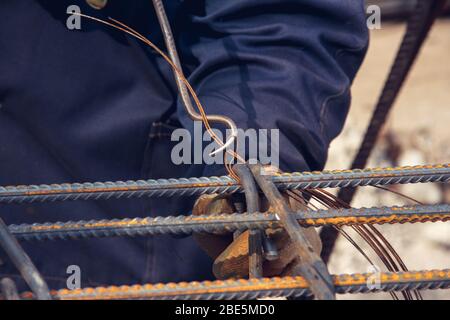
(285, 65)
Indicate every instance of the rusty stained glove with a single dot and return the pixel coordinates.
(231, 255)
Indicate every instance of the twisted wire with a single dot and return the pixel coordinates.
(262, 287)
(220, 185)
(225, 223)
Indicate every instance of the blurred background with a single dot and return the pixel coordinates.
(417, 132)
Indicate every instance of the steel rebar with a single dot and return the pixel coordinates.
(227, 223)
(198, 186)
(262, 288)
(255, 238)
(23, 263)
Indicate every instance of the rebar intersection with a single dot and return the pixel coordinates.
(235, 289)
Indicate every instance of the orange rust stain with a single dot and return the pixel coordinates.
(306, 222)
(238, 285)
(99, 224)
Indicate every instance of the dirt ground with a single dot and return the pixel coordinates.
(417, 132)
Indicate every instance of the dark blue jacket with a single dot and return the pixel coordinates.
(87, 105)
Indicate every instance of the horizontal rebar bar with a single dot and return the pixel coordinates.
(262, 288)
(225, 223)
(198, 186)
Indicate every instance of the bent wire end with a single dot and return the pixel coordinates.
(226, 145)
(171, 48)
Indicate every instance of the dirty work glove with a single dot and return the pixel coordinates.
(231, 255)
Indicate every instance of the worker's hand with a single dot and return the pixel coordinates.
(231, 256)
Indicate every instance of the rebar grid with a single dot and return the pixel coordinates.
(236, 289)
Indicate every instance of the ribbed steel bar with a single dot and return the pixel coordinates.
(225, 223)
(23, 263)
(262, 288)
(255, 239)
(198, 186)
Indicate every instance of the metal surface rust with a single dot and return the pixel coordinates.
(261, 288)
(226, 223)
(198, 186)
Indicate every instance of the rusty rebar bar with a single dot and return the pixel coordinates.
(226, 223)
(262, 288)
(198, 186)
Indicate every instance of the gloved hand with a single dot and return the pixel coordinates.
(231, 255)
